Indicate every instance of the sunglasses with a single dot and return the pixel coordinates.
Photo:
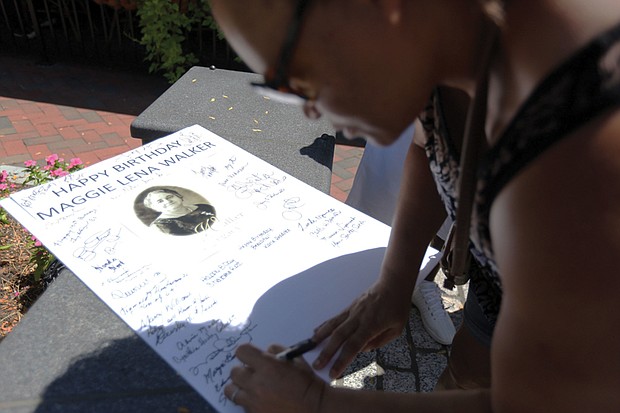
(276, 84)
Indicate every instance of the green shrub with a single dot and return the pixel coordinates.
(164, 25)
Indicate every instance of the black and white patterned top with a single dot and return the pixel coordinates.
(584, 86)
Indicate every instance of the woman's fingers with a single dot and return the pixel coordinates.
(265, 384)
(355, 343)
(372, 320)
(340, 329)
(249, 355)
(381, 340)
(325, 330)
(275, 349)
(241, 375)
(347, 340)
(235, 394)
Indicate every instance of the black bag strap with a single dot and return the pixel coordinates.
(455, 258)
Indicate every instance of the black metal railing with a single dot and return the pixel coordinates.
(83, 30)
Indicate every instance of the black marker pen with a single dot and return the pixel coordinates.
(296, 350)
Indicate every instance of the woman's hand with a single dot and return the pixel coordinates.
(371, 321)
(266, 384)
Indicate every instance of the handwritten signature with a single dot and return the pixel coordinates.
(76, 228)
(206, 171)
(255, 183)
(291, 208)
(112, 264)
(88, 250)
(223, 350)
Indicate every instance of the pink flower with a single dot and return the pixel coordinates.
(30, 163)
(74, 162)
(3, 176)
(47, 167)
(37, 243)
(59, 172)
(3, 187)
(51, 159)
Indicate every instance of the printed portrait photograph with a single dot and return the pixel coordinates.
(174, 210)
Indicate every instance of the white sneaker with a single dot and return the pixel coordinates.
(427, 298)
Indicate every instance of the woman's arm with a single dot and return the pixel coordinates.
(379, 315)
(267, 385)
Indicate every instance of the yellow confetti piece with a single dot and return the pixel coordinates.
(193, 80)
(225, 97)
(230, 108)
(256, 130)
(255, 121)
(266, 112)
(212, 117)
(212, 99)
(266, 98)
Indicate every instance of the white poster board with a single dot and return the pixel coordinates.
(258, 257)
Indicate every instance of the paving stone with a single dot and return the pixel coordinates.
(397, 354)
(69, 132)
(38, 151)
(70, 113)
(364, 376)
(113, 139)
(91, 116)
(43, 140)
(6, 126)
(22, 126)
(15, 160)
(421, 339)
(400, 382)
(73, 143)
(429, 365)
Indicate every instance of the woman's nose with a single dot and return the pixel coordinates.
(310, 110)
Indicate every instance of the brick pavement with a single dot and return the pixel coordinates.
(85, 112)
(37, 129)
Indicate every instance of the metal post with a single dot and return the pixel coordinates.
(37, 30)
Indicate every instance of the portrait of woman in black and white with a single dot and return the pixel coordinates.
(170, 210)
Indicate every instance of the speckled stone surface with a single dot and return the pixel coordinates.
(223, 102)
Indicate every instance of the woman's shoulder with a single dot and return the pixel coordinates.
(579, 91)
